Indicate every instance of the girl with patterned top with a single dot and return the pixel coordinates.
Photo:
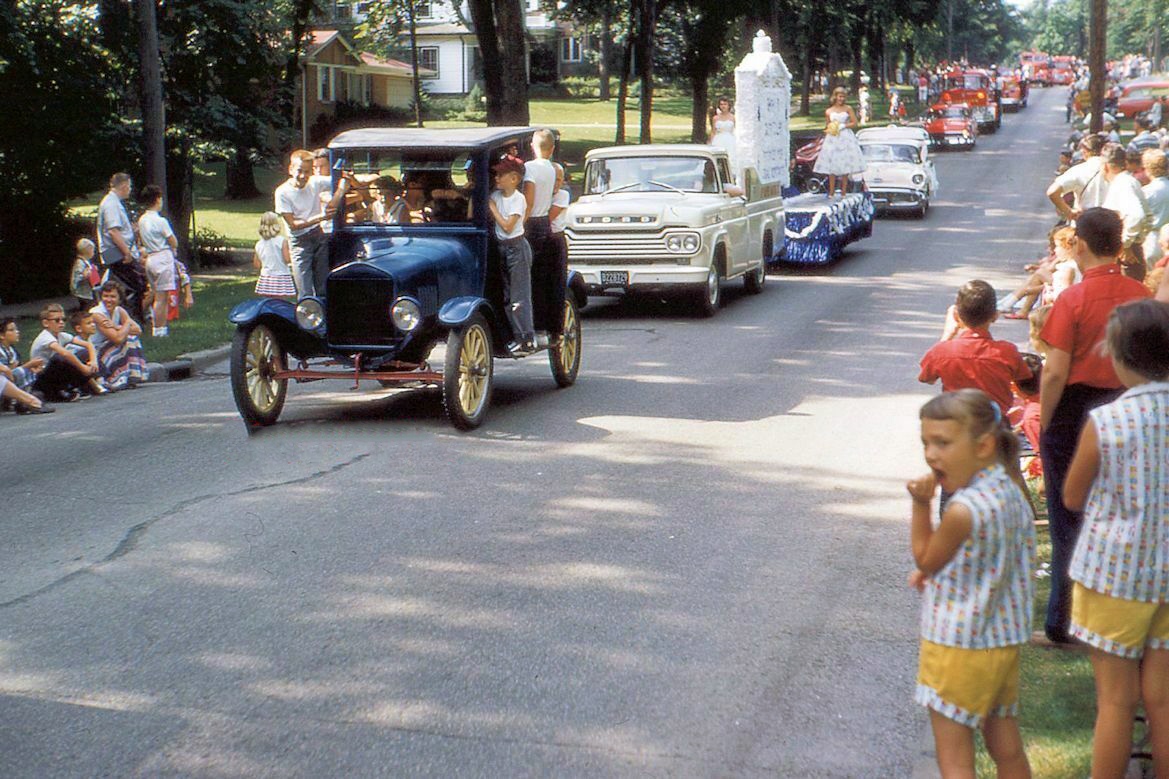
(1119, 477)
(974, 571)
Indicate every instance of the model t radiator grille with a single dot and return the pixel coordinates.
(358, 311)
(618, 248)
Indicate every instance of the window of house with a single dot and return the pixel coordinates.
(424, 9)
(570, 49)
(355, 88)
(326, 84)
(428, 58)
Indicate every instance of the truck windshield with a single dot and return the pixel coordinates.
(411, 186)
(966, 82)
(650, 174)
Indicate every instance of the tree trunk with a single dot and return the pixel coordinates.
(180, 181)
(241, 177)
(910, 55)
(153, 113)
(857, 59)
(1096, 63)
(302, 11)
(950, 31)
(645, 66)
(623, 87)
(806, 96)
(512, 37)
(606, 52)
(483, 18)
(417, 82)
(874, 52)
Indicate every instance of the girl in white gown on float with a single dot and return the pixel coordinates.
(722, 128)
(840, 154)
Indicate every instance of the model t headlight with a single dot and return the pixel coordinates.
(310, 314)
(406, 314)
(918, 179)
(683, 243)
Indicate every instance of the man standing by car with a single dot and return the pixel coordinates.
(548, 271)
(298, 200)
(117, 244)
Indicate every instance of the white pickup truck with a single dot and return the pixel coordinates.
(669, 219)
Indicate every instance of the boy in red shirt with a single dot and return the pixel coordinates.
(971, 359)
(1077, 377)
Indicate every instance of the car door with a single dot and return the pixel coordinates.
(733, 216)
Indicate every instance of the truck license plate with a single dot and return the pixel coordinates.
(614, 278)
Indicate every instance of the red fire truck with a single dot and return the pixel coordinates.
(976, 89)
(1037, 66)
(1063, 70)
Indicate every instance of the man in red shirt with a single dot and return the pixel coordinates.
(972, 359)
(1078, 377)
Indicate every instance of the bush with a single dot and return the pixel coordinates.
(210, 249)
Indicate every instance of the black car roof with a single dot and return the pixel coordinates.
(422, 137)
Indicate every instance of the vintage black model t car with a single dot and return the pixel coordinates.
(414, 263)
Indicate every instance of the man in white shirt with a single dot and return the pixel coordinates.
(1085, 182)
(548, 270)
(1126, 198)
(117, 243)
(298, 202)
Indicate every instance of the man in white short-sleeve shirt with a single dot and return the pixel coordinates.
(298, 200)
(1086, 182)
(548, 271)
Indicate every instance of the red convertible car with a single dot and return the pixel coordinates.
(951, 125)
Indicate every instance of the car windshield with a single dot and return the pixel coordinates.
(650, 174)
(411, 186)
(965, 82)
(951, 112)
(890, 152)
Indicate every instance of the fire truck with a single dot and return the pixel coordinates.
(1063, 70)
(1037, 64)
(976, 89)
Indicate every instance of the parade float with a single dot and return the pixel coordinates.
(817, 227)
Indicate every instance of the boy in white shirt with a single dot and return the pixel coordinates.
(548, 272)
(64, 374)
(298, 200)
(507, 207)
(558, 214)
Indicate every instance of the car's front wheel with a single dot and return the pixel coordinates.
(256, 357)
(710, 294)
(468, 374)
(564, 356)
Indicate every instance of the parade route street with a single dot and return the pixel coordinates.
(691, 563)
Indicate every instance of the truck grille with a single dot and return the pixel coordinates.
(357, 312)
(617, 249)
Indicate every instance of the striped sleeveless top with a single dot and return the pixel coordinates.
(981, 599)
(1123, 548)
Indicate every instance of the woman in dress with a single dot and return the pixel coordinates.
(840, 154)
(722, 128)
(119, 350)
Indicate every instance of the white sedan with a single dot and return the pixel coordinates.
(898, 169)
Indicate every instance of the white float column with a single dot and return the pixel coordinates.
(763, 115)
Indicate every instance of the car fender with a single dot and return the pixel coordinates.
(251, 310)
(457, 311)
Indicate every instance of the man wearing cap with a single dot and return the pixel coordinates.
(548, 270)
(298, 200)
(1085, 182)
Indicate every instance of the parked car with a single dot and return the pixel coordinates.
(899, 171)
(1136, 97)
(951, 126)
(1015, 93)
(396, 290)
(670, 219)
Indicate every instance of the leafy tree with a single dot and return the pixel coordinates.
(61, 136)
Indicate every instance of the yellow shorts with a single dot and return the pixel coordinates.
(968, 685)
(1118, 626)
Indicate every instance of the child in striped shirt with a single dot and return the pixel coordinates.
(975, 573)
(1119, 476)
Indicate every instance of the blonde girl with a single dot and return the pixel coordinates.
(840, 153)
(273, 258)
(1119, 477)
(974, 572)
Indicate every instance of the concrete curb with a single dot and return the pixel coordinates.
(187, 365)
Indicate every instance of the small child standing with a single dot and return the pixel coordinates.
(975, 573)
(1119, 477)
(508, 206)
(273, 258)
(971, 359)
(85, 275)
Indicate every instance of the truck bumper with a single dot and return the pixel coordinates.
(618, 279)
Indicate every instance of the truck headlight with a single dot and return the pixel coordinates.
(406, 314)
(310, 314)
(918, 179)
(683, 243)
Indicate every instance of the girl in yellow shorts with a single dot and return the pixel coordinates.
(975, 574)
(1119, 476)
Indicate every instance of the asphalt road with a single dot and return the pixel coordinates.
(691, 563)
